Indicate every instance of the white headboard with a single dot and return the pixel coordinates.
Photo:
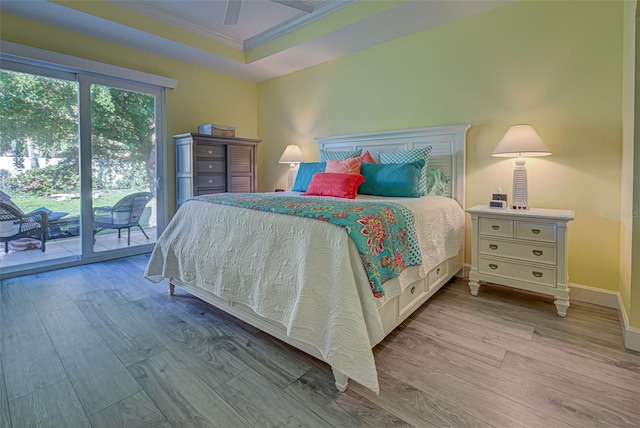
(447, 149)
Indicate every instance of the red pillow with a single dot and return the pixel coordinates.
(336, 185)
(366, 157)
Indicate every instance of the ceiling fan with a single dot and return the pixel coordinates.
(233, 8)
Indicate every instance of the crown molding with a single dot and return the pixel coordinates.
(266, 36)
(180, 23)
(29, 55)
(296, 22)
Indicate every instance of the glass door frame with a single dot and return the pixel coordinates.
(84, 80)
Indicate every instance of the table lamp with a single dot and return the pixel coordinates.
(520, 141)
(291, 155)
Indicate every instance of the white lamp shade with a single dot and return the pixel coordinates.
(291, 154)
(521, 141)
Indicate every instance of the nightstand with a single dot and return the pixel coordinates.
(524, 249)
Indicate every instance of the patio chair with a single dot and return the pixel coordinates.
(15, 224)
(125, 214)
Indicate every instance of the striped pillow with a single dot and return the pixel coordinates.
(326, 155)
(407, 156)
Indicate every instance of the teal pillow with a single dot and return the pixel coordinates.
(326, 155)
(409, 156)
(437, 181)
(394, 179)
(305, 174)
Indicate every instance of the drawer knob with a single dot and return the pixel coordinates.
(537, 252)
(495, 227)
(210, 181)
(493, 246)
(413, 289)
(537, 274)
(210, 166)
(535, 231)
(210, 151)
(492, 266)
(438, 271)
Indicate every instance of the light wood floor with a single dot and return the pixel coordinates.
(100, 346)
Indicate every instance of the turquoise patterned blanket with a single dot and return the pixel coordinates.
(384, 233)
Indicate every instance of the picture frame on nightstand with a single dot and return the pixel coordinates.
(498, 201)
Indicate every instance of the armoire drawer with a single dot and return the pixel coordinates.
(210, 166)
(207, 151)
(211, 181)
(208, 190)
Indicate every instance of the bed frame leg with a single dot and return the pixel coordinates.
(172, 288)
(341, 380)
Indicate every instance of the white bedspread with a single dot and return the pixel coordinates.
(293, 271)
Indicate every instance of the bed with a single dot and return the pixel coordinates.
(302, 280)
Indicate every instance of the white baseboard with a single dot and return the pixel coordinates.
(609, 299)
(596, 296)
(631, 335)
(606, 298)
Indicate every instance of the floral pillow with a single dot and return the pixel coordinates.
(410, 156)
(336, 185)
(326, 155)
(344, 166)
(437, 181)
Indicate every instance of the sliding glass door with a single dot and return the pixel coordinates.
(39, 165)
(85, 149)
(123, 167)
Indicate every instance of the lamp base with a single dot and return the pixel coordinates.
(520, 193)
(291, 176)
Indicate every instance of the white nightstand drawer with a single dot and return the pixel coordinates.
(530, 273)
(545, 232)
(495, 227)
(518, 250)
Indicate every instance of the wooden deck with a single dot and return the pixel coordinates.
(70, 247)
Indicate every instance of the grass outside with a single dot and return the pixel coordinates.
(28, 203)
(72, 206)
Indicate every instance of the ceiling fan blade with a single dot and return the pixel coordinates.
(303, 5)
(232, 13)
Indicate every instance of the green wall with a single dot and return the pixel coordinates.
(201, 96)
(556, 65)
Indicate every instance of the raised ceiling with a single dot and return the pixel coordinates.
(269, 39)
